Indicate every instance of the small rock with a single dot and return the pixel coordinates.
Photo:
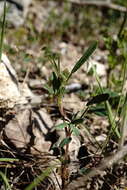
(17, 11)
(101, 138)
(8, 80)
(17, 129)
(100, 68)
(28, 130)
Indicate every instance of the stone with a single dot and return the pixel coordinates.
(16, 11)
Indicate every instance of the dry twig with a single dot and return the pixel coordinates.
(106, 163)
(99, 3)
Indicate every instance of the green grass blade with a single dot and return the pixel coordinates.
(8, 159)
(123, 123)
(112, 121)
(5, 180)
(84, 58)
(122, 87)
(39, 179)
(3, 30)
(108, 107)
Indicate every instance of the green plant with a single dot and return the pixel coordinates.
(57, 88)
(3, 176)
(117, 56)
(5, 180)
(116, 78)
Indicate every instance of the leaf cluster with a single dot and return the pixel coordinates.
(59, 78)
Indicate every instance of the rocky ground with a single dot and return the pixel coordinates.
(28, 114)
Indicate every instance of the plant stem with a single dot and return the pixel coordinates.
(3, 30)
(65, 160)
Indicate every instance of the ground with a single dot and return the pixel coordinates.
(28, 125)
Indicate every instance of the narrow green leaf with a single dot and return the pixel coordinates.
(62, 90)
(114, 128)
(98, 110)
(65, 74)
(84, 58)
(109, 112)
(54, 65)
(64, 142)
(74, 116)
(61, 125)
(98, 99)
(77, 121)
(84, 171)
(56, 82)
(75, 130)
(39, 179)
(5, 180)
(8, 159)
(48, 88)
